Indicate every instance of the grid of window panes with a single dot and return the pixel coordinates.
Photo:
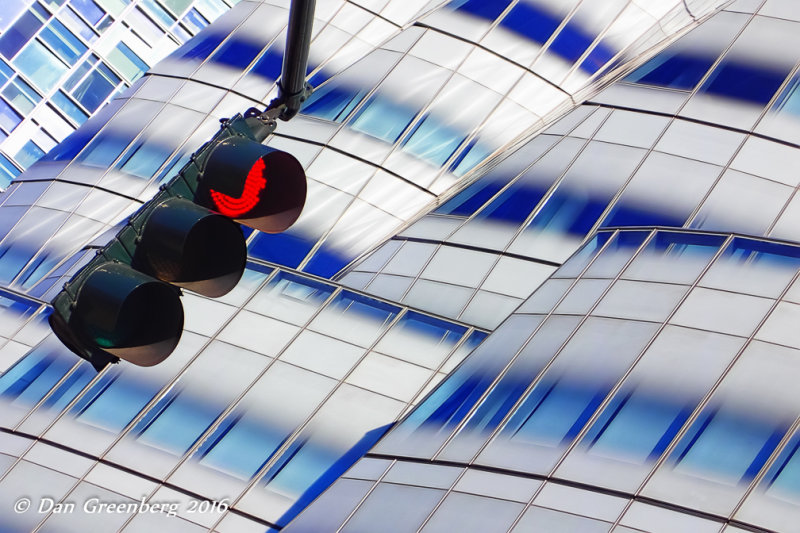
(656, 364)
(363, 187)
(61, 60)
(273, 392)
(625, 159)
(339, 364)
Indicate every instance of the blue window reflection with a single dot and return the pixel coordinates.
(784, 474)
(488, 9)
(326, 262)
(447, 406)
(63, 42)
(765, 253)
(471, 155)
(676, 70)
(433, 141)
(569, 210)
(96, 87)
(200, 47)
(581, 259)
(517, 202)
(70, 387)
(431, 327)
(8, 171)
(9, 118)
(748, 82)
(29, 154)
(308, 467)
(287, 248)
(144, 158)
(22, 31)
(731, 446)
(40, 65)
(89, 9)
(237, 53)
(637, 425)
(67, 149)
(789, 99)
(32, 377)
(241, 446)
(176, 422)
(269, 66)
(333, 102)
(555, 411)
(20, 307)
(531, 21)
(69, 108)
(105, 148)
(382, 118)
(473, 197)
(114, 400)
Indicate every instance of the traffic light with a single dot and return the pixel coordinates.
(125, 303)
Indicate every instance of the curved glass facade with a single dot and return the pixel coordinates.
(545, 278)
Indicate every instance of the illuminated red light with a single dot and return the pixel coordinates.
(251, 195)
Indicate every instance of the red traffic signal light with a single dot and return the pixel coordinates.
(256, 185)
(125, 303)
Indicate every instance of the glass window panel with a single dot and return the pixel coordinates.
(783, 477)
(9, 11)
(89, 9)
(579, 199)
(336, 99)
(517, 202)
(9, 118)
(322, 453)
(725, 312)
(397, 508)
(69, 108)
(540, 519)
(741, 76)
(754, 267)
(674, 257)
(20, 33)
(489, 10)
(237, 52)
(32, 377)
(637, 300)
(502, 397)
(650, 408)
(40, 65)
(127, 62)
(63, 42)
(96, 87)
(104, 149)
(354, 318)
(114, 400)
(733, 436)
(465, 512)
(393, 106)
(291, 298)
(684, 63)
(431, 422)
(747, 444)
(29, 154)
(249, 436)
(561, 403)
(421, 339)
(665, 191)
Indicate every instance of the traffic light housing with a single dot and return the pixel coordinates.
(125, 303)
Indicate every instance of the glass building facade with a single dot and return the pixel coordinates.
(546, 279)
(62, 60)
